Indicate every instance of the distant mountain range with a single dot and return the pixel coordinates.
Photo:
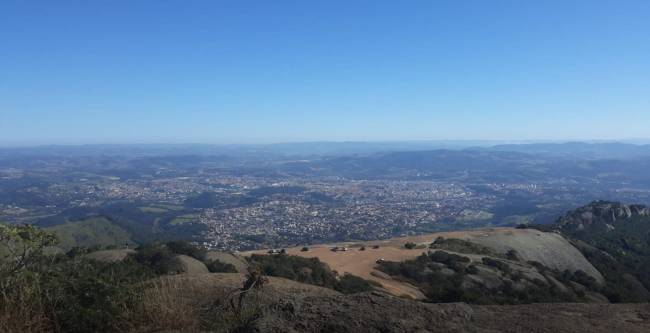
(571, 149)
(480, 165)
(612, 150)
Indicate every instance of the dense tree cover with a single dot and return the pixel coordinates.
(202, 200)
(271, 190)
(460, 246)
(442, 278)
(61, 292)
(158, 256)
(619, 250)
(69, 293)
(212, 199)
(142, 226)
(309, 270)
(621, 254)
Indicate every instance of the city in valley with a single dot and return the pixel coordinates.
(243, 203)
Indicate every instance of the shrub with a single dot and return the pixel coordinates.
(91, 296)
(350, 284)
(500, 265)
(156, 256)
(22, 246)
(306, 270)
(512, 255)
(186, 248)
(216, 266)
(22, 308)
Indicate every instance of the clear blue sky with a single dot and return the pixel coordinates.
(277, 71)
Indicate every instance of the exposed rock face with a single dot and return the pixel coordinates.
(294, 307)
(548, 248)
(602, 213)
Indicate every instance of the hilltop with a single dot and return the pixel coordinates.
(480, 260)
(615, 238)
(601, 214)
(554, 278)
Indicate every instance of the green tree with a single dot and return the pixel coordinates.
(22, 246)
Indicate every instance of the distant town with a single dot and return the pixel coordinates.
(241, 208)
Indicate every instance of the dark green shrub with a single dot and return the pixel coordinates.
(216, 266)
(500, 265)
(305, 270)
(155, 256)
(186, 248)
(512, 255)
(350, 284)
(91, 296)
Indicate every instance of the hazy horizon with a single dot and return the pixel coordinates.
(460, 143)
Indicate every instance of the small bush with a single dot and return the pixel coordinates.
(156, 256)
(500, 265)
(512, 255)
(350, 284)
(168, 304)
(186, 248)
(90, 296)
(216, 266)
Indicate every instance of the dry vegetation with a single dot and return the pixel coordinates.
(528, 243)
(169, 304)
(71, 293)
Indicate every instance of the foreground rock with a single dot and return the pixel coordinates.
(289, 306)
(601, 213)
(528, 246)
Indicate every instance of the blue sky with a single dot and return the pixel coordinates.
(278, 71)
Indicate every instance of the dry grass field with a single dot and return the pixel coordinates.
(527, 242)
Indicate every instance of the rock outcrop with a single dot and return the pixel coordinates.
(294, 307)
(601, 213)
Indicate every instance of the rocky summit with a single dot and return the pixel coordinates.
(601, 213)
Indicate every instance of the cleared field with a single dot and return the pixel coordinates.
(156, 210)
(548, 248)
(184, 219)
